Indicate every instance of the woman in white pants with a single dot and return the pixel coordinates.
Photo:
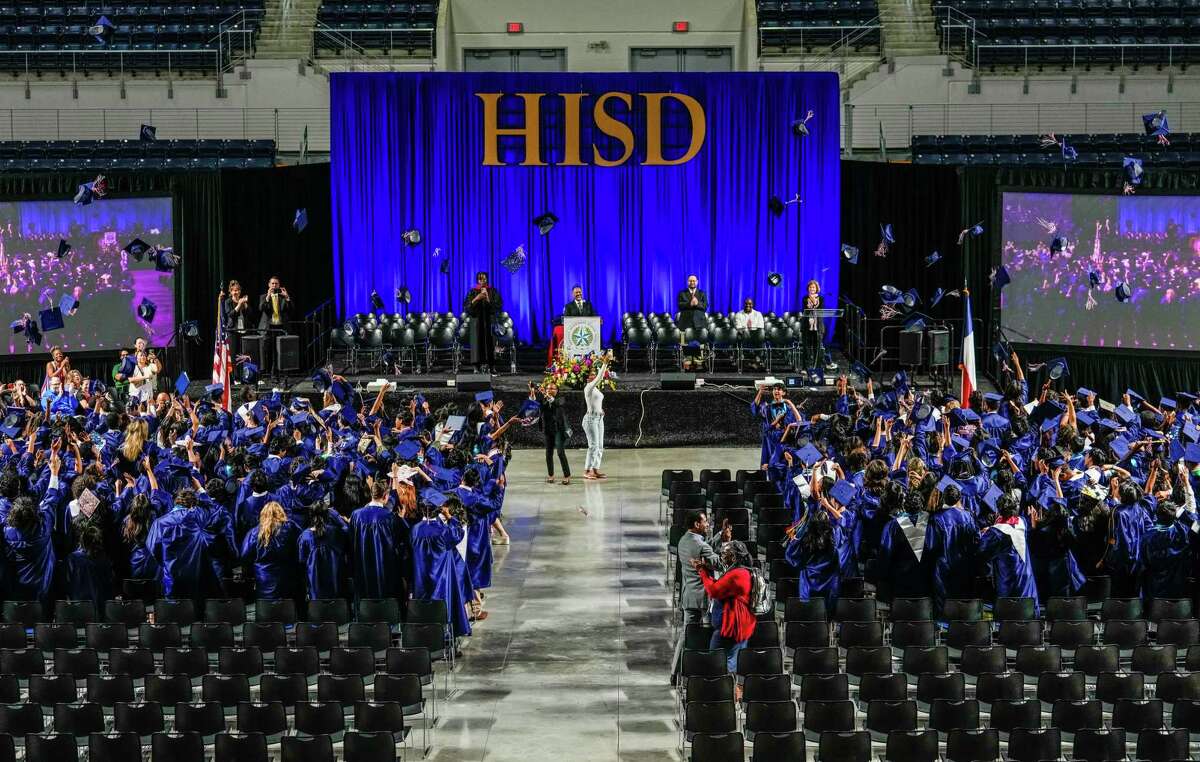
(593, 421)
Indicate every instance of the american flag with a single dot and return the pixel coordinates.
(220, 374)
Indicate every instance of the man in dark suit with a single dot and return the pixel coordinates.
(578, 306)
(693, 306)
(554, 427)
(274, 312)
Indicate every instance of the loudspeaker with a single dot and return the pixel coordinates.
(287, 352)
(677, 381)
(911, 348)
(472, 382)
(939, 348)
(252, 345)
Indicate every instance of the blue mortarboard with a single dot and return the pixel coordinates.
(850, 253)
(1191, 452)
(1156, 124)
(809, 454)
(1049, 424)
(976, 229)
(64, 248)
(1166, 403)
(1125, 415)
(1049, 498)
(1057, 244)
(300, 221)
(248, 434)
(891, 295)
(1000, 278)
(1068, 151)
(932, 259)
(1082, 393)
(96, 386)
(444, 267)
(961, 416)
(258, 412)
(1190, 433)
(1109, 424)
(86, 193)
(322, 380)
(342, 392)
(843, 492)
(68, 304)
(408, 449)
(433, 497)
(989, 452)
(138, 249)
(13, 422)
(939, 294)
(1050, 409)
(102, 30)
(247, 372)
(990, 497)
(1185, 399)
(1175, 450)
(214, 389)
(774, 279)
(51, 319)
(1135, 396)
(860, 370)
(1123, 292)
(962, 444)
(1093, 279)
(299, 419)
(484, 396)
(146, 310)
(993, 397)
(1085, 418)
(128, 366)
(1120, 448)
(945, 482)
(911, 298)
(300, 403)
(885, 232)
(914, 323)
(182, 383)
(900, 380)
(147, 133)
(1133, 170)
(165, 259)
(348, 415)
(1057, 368)
(1001, 350)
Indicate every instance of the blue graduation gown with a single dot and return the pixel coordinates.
(1054, 566)
(820, 575)
(324, 557)
(1012, 574)
(900, 573)
(1166, 554)
(376, 563)
(185, 544)
(89, 579)
(277, 565)
(439, 572)
(482, 512)
(950, 541)
(142, 564)
(30, 556)
(1125, 529)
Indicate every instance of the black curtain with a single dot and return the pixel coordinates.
(197, 213)
(1105, 371)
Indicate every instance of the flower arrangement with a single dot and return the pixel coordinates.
(568, 373)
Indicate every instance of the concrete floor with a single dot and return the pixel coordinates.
(573, 661)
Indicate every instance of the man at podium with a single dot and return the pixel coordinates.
(577, 307)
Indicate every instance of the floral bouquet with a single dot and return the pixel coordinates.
(568, 373)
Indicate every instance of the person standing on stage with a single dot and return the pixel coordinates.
(693, 306)
(274, 312)
(482, 306)
(235, 315)
(554, 426)
(578, 306)
(593, 420)
(811, 328)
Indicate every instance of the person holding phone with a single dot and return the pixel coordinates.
(554, 426)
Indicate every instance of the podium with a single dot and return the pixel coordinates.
(581, 336)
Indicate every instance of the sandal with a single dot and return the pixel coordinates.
(566, 480)
(590, 476)
(600, 475)
(549, 480)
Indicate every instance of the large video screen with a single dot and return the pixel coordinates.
(1149, 243)
(108, 282)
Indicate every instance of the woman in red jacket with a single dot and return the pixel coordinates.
(732, 620)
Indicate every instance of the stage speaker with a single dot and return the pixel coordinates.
(252, 345)
(939, 348)
(677, 381)
(472, 382)
(287, 352)
(911, 348)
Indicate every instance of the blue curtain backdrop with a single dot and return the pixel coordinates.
(407, 152)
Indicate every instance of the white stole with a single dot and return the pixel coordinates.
(914, 533)
(1016, 533)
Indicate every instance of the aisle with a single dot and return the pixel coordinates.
(572, 663)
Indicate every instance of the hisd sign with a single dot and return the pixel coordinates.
(603, 119)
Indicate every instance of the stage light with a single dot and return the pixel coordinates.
(680, 26)
(514, 27)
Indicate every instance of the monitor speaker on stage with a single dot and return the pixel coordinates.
(911, 345)
(677, 381)
(287, 352)
(939, 348)
(252, 345)
(472, 382)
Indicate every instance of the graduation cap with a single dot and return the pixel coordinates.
(775, 205)
(1156, 124)
(1057, 244)
(51, 319)
(513, 262)
(973, 231)
(911, 298)
(923, 412)
(300, 221)
(29, 327)
(843, 492)
(484, 396)
(1125, 415)
(1068, 151)
(1085, 418)
(1134, 396)
(915, 323)
(165, 259)
(259, 411)
(860, 370)
(1120, 447)
(96, 386)
(891, 295)
(993, 397)
(444, 267)
(1123, 292)
(1057, 368)
(248, 373)
(850, 253)
(1000, 277)
(182, 383)
(1001, 350)
(1166, 403)
(146, 310)
(102, 30)
(408, 449)
(989, 453)
(1093, 279)
(809, 454)
(147, 133)
(932, 259)
(322, 380)
(991, 497)
(342, 392)
(376, 300)
(128, 366)
(68, 304)
(1190, 432)
(1185, 398)
(886, 234)
(298, 419)
(86, 193)
(137, 248)
(403, 295)
(411, 237)
(774, 279)
(1133, 170)
(1082, 393)
(212, 390)
(1191, 453)
(800, 126)
(64, 248)
(433, 497)
(945, 483)
(962, 416)
(900, 380)
(13, 422)
(545, 222)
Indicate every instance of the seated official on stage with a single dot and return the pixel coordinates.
(745, 320)
(577, 307)
(692, 304)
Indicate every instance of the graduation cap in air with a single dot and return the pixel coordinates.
(850, 253)
(86, 193)
(165, 259)
(300, 221)
(1093, 279)
(933, 259)
(974, 231)
(1068, 151)
(1123, 292)
(146, 310)
(128, 366)
(800, 126)
(102, 30)
(775, 205)
(891, 295)
(1156, 124)
(147, 133)
(545, 222)
(248, 373)
(138, 249)
(515, 260)
(915, 323)
(13, 422)
(1000, 277)
(1057, 368)
(886, 234)
(860, 370)
(1001, 350)
(1134, 396)
(322, 380)
(64, 248)
(182, 383)
(900, 381)
(1133, 170)
(68, 304)
(444, 267)
(51, 319)
(939, 294)
(1057, 244)
(910, 298)
(403, 295)
(411, 237)
(27, 326)
(376, 300)
(774, 279)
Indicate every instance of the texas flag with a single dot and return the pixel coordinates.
(967, 366)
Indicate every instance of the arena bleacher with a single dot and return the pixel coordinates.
(108, 155)
(802, 25)
(378, 26)
(1026, 150)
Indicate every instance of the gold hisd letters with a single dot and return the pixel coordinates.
(602, 118)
